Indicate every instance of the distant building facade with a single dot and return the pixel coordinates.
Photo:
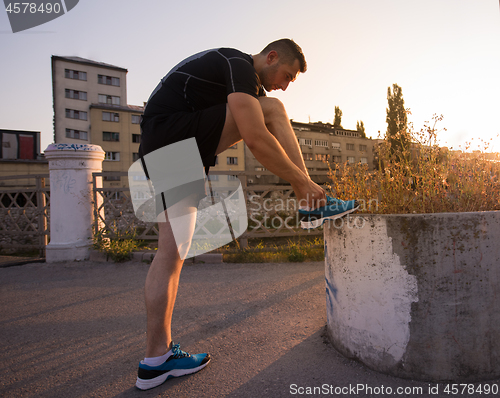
(90, 107)
(20, 155)
(116, 129)
(232, 159)
(76, 84)
(18, 144)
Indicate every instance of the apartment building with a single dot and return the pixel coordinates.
(76, 84)
(90, 106)
(116, 129)
(232, 159)
(320, 144)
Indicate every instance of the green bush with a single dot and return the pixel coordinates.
(116, 244)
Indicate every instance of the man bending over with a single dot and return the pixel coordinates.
(218, 97)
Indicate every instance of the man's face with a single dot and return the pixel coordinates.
(276, 75)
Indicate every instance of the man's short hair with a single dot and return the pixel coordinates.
(288, 51)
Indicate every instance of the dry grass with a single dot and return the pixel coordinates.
(423, 179)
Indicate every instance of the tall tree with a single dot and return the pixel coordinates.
(397, 129)
(338, 118)
(360, 126)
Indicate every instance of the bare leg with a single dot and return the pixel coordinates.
(161, 286)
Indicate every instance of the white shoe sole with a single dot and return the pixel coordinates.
(142, 384)
(317, 223)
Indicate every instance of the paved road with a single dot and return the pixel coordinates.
(77, 330)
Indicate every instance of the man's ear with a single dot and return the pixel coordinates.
(272, 57)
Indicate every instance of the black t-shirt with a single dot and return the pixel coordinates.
(204, 80)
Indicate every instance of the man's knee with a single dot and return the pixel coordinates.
(272, 108)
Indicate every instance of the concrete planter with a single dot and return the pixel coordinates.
(416, 296)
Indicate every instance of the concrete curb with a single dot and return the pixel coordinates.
(207, 258)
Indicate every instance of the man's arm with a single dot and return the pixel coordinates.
(249, 119)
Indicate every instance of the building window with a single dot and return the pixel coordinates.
(72, 114)
(114, 156)
(135, 156)
(108, 80)
(363, 160)
(351, 159)
(350, 147)
(337, 159)
(76, 134)
(322, 157)
(75, 74)
(136, 138)
(110, 117)
(362, 148)
(136, 119)
(307, 156)
(305, 141)
(335, 145)
(260, 168)
(232, 178)
(213, 177)
(232, 160)
(75, 94)
(108, 136)
(109, 99)
(321, 143)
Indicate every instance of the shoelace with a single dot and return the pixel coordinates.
(333, 201)
(177, 352)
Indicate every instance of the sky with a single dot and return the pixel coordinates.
(444, 54)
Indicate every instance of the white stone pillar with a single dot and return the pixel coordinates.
(71, 208)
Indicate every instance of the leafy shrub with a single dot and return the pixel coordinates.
(116, 244)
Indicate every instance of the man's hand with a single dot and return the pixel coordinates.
(310, 194)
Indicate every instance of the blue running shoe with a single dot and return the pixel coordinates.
(335, 208)
(180, 363)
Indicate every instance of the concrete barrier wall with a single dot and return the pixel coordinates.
(416, 296)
